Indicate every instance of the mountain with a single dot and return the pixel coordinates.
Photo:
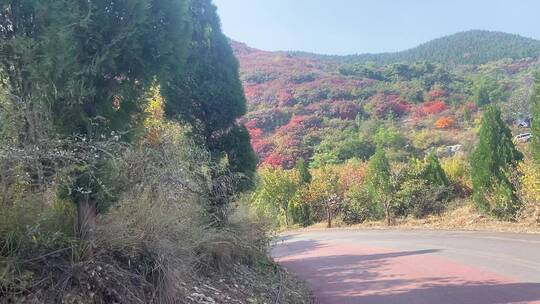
(329, 109)
(470, 47)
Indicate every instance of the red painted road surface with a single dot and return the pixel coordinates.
(341, 271)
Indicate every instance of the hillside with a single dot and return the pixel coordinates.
(327, 109)
(470, 47)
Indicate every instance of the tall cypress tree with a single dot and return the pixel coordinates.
(491, 162)
(535, 115)
(208, 93)
(434, 173)
(305, 175)
(300, 211)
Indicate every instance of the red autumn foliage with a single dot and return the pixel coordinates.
(251, 124)
(262, 148)
(267, 120)
(285, 98)
(346, 110)
(297, 120)
(445, 122)
(284, 159)
(351, 174)
(392, 104)
(278, 160)
(471, 106)
(431, 107)
(303, 121)
(252, 92)
(255, 133)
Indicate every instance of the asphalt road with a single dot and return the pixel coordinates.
(421, 267)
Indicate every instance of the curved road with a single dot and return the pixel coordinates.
(420, 267)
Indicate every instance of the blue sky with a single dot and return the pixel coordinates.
(368, 26)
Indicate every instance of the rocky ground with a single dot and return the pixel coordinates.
(268, 283)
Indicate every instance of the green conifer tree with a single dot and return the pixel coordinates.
(301, 212)
(434, 173)
(208, 93)
(305, 175)
(491, 162)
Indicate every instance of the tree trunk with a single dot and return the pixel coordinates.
(86, 223)
(388, 214)
(328, 217)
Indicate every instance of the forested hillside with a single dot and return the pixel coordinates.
(471, 47)
(397, 139)
(303, 107)
(121, 157)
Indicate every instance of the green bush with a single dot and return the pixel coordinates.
(36, 222)
(418, 198)
(301, 213)
(358, 206)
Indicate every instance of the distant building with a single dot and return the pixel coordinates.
(524, 123)
(449, 150)
(524, 137)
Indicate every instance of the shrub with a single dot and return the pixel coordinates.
(425, 139)
(445, 123)
(432, 107)
(276, 190)
(359, 207)
(159, 231)
(423, 188)
(36, 222)
(419, 198)
(530, 189)
(324, 194)
(301, 212)
(301, 78)
(437, 93)
(458, 172)
(391, 105)
(259, 77)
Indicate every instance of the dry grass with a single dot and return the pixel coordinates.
(156, 245)
(463, 216)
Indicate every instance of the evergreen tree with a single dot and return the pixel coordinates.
(434, 173)
(236, 146)
(208, 94)
(491, 161)
(535, 115)
(305, 175)
(379, 182)
(300, 211)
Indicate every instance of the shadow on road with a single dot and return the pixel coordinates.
(393, 277)
(476, 292)
(283, 249)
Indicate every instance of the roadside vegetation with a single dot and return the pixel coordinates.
(395, 143)
(122, 165)
(497, 180)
